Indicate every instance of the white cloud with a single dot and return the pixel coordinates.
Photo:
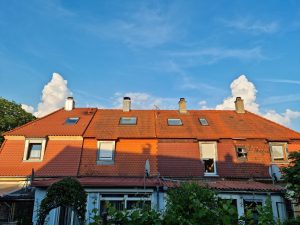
(253, 26)
(242, 87)
(140, 100)
(27, 108)
(53, 96)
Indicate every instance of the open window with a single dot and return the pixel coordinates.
(278, 152)
(208, 155)
(34, 149)
(106, 152)
(241, 153)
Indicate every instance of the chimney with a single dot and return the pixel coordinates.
(126, 104)
(69, 104)
(239, 105)
(182, 105)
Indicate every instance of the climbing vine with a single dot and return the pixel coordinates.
(67, 192)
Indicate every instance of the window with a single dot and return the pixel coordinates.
(34, 149)
(125, 201)
(203, 121)
(106, 151)
(252, 205)
(208, 155)
(278, 151)
(241, 152)
(128, 121)
(72, 120)
(174, 122)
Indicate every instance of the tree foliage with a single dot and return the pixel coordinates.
(292, 176)
(12, 115)
(67, 192)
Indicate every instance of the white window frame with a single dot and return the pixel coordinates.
(174, 119)
(215, 173)
(29, 141)
(106, 160)
(284, 151)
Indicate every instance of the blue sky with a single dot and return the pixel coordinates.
(155, 51)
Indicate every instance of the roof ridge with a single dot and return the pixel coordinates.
(33, 121)
(273, 122)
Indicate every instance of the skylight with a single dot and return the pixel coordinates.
(72, 120)
(174, 122)
(128, 120)
(203, 121)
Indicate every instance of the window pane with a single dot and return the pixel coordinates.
(34, 150)
(209, 166)
(241, 152)
(72, 120)
(277, 152)
(174, 122)
(128, 120)
(208, 150)
(138, 204)
(106, 150)
(203, 121)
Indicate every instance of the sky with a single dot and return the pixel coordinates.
(154, 52)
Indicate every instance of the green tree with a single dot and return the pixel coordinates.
(191, 204)
(292, 176)
(12, 115)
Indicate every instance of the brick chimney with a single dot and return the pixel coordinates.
(69, 104)
(239, 105)
(126, 104)
(182, 105)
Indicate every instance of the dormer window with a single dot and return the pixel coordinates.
(174, 122)
(34, 149)
(241, 152)
(278, 152)
(203, 121)
(72, 120)
(128, 120)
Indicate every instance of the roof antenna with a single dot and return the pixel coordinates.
(156, 107)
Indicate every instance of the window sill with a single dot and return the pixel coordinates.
(211, 175)
(33, 160)
(105, 162)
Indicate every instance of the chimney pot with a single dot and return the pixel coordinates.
(126, 104)
(69, 104)
(239, 105)
(182, 105)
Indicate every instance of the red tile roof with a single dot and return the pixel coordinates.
(153, 124)
(105, 125)
(55, 124)
(154, 182)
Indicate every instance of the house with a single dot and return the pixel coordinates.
(128, 156)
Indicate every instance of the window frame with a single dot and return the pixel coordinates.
(103, 160)
(284, 151)
(128, 117)
(181, 123)
(29, 141)
(205, 122)
(215, 173)
(72, 118)
(237, 153)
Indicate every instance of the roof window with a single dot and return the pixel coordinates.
(203, 121)
(128, 121)
(72, 120)
(174, 122)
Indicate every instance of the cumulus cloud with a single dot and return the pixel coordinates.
(28, 108)
(53, 96)
(242, 87)
(142, 100)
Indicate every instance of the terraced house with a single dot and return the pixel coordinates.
(127, 156)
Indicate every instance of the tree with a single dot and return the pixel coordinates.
(191, 204)
(292, 176)
(12, 115)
